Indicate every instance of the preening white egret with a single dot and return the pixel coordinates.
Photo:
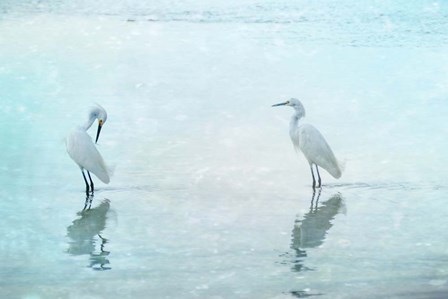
(310, 141)
(83, 151)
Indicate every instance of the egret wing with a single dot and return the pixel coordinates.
(316, 149)
(82, 150)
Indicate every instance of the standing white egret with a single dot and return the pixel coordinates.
(311, 142)
(81, 149)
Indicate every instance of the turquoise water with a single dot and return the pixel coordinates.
(208, 198)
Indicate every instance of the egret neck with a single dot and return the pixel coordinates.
(89, 122)
(294, 125)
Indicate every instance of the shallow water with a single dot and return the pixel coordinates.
(208, 198)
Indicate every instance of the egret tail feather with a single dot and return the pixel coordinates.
(341, 164)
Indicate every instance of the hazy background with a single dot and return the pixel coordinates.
(208, 197)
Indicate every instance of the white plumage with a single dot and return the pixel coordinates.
(83, 151)
(316, 150)
(311, 143)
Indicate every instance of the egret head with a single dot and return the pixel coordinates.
(294, 103)
(98, 112)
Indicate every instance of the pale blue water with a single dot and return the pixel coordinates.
(208, 198)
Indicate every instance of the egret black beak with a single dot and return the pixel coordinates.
(100, 125)
(280, 104)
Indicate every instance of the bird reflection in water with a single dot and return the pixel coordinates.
(311, 231)
(88, 202)
(85, 236)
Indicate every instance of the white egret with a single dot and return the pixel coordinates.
(81, 149)
(310, 141)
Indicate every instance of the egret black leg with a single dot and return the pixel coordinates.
(318, 175)
(91, 182)
(85, 180)
(86, 203)
(312, 173)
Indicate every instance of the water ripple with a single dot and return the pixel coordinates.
(347, 23)
(405, 186)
